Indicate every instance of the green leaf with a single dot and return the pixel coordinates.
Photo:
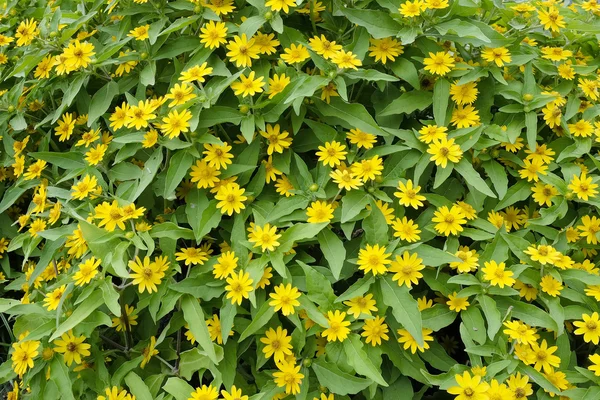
(137, 387)
(349, 115)
(527, 313)
(473, 321)
(178, 388)
(337, 381)
(217, 115)
(81, 312)
(101, 101)
(378, 23)
(518, 192)
(404, 307)
(531, 124)
(441, 95)
(179, 165)
(67, 160)
(194, 316)
(375, 226)
(407, 103)
(407, 71)
(431, 256)
(353, 203)
(472, 177)
(497, 175)
(151, 167)
(360, 361)
(333, 251)
(259, 320)
(492, 315)
(59, 374)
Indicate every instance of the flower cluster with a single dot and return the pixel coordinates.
(209, 199)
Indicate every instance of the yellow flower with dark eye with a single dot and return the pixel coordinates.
(583, 187)
(346, 59)
(196, 73)
(238, 287)
(439, 63)
(288, 376)
(469, 387)
(406, 269)
(295, 54)
(465, 117)
(277, 344)
(176, 123)
(180, 94)
(72, 348)
(277, 84)
(337, 326)
(318, 212)
(551, 19)
(213, 34)
(406, 229)
(231, 198)
(385, 49)
(78, 55)
(140, 33)
(444, 150)
(373, 259)
(242, 51)
(332, 153)
(26, 32)
(408, 194)
(498, 55)
(464, 94)
(409, 342)
(264, 237)
(456, 303)
(226, 264)
(278, 5)
(361, 139)
(374, 331)
(361, 305)
(551, 285)
(23, 355)
(589, 327)
(589, 228)
(595, 367)
(248, 85)
(52, 299)
(581, 128)
(324, 47)
(87, 271)
(411, 9)
(285, 299)
(497, 275)
(449, 221)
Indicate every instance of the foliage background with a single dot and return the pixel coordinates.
(528, 95)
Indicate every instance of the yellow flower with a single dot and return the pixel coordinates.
(498, 55)
(532, 169)
(191, 256)
(556, 54)
(581, 128)
(44, 67)
(519, 331)
(408, 194)
(242, 51)
(175, 123)
(236, 394)
(204, 175)
(456, 303)
(35, 170)
(285, 299)
(121, 322)
(469, 387)
(266, 43)
(444, 150)
(429, 133)
(264, 237)
(196, 73)
(220, 7)
(551, 19)
(542, 254)
(52, 299)
(231, 198)
(277, 344)
(543, 357)
(346, 59)
(288, 376)
(543, 193)
(406, 229)
(277, 84)
(278, 5)
(39, 225)
(368, 169)
(436, 4)
(83, 188)
(550, 285)
(87, 271)
(148, 352)
(226, 264)
(406, 269)
(409, 342)
(552, 115)
(147, 275)
(239, 285)
(115, 393)
(248, 86)
(324, 47)
(595, 367)
(465, 117)
(464, 94)
(385, 49)
(519, 386)
(332, 153)
(119, 117)
(278, 140)
(23, 355)
(283, 186)
(497, 275)
(337, 327)
(374, 331)
(589, 328)
(78, 55)
(140, 33)
(361, 139)
(412, 9)
(72, 348)
(180, 94)
(213, 34)
(361, 305)
(26, 32)
(589, 229)
(295, 54)
(373, 259)
(525, 290)
(319, 211)
(110, 216)
(449, 221)
(139, 116)
(583, 187)
(439, 63)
